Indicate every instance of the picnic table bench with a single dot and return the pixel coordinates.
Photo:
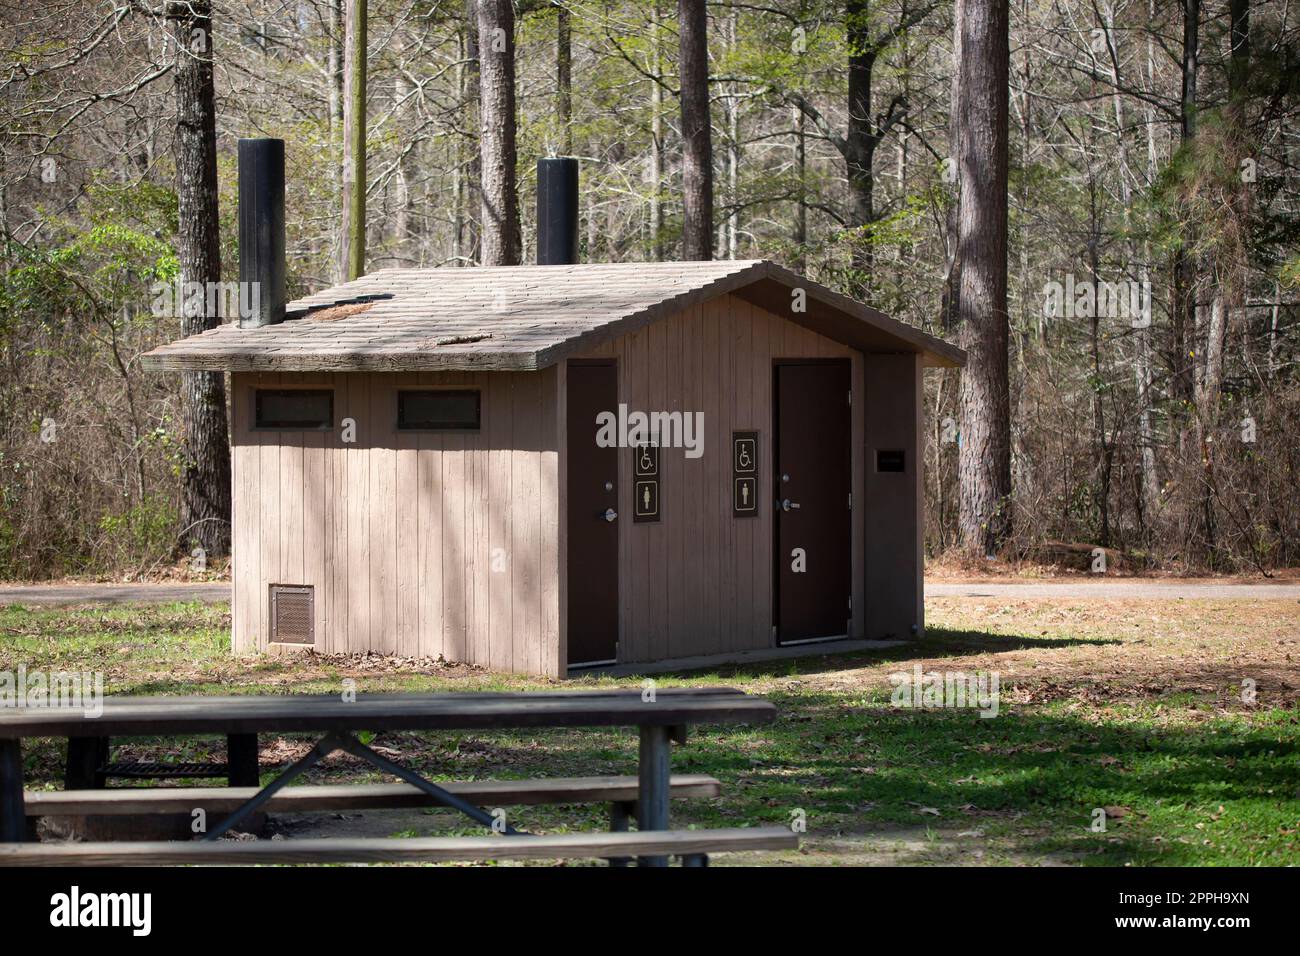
(660, 718)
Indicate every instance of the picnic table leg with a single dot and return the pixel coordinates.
(620, 812)
(652, 796)
(241, 760)
(87, 757)
(13, 822)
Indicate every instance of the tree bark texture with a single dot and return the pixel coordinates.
(697, 131)
(984, 461)
(205, 491)
(354, 141)
(500, 238)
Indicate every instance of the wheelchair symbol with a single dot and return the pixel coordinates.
(745, 455)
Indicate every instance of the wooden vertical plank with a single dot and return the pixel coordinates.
(505, 558)
(322, 565)
(713, 336)
(314, 505)
(742, 529)
(408, 506)
(623, 356)
(698, 599)
(451, 559)
(292, 452)
(456, 546)
(721, 486)
(552, 566)
(526, 626)
(762, 620)
(270, 537)
(247, 507)
(639, 569)
(429, 541)
(340, 494)
(360, 634)
(383, 515)
(857, 441)
(237, 529)
(675, 496)
(657, 570)
(480, 555)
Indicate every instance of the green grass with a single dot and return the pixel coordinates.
(1186, 782)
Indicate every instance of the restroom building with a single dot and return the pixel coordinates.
(447, 462)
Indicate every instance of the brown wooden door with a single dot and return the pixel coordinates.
(812, 486)
(593, 516)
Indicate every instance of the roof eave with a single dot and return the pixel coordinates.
(408, 361)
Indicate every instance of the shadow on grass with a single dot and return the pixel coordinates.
(938, 643)
(1042, 773)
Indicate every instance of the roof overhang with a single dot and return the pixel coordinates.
(764, 284)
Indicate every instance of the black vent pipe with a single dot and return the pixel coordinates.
(557, 211)
(261, 232)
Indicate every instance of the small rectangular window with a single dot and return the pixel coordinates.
(294, 409)
(431, 411)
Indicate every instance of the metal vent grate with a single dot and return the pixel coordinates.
(293, 614)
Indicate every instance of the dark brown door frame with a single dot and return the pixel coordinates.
(776, 496)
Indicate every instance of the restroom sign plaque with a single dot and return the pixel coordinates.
(744, 474)
(645, 487)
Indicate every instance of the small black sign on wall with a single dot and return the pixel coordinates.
(890, 459)
(645, 489)
(744, 474)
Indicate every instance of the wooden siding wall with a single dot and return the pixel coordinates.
(699, 581)
(398, 532)
(895, 527)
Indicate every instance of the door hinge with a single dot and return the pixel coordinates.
(850, 501)
(850, 604)
(850, 398)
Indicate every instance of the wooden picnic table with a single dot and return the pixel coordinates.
(661, 717)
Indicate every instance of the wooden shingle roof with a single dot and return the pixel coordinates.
(521, 318)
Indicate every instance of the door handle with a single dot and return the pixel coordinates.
(609, 514)
(788, 505)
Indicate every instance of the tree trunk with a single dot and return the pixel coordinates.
(1183, 310)
(564, 79)
(334, 65)
(1229, 273)
(496, 42)
(354, 141)
(732, 101)
(860, 140)
(406, 244)
(657, 137)
(952, 272)
(205, 482)
(334, 82)
(985, 458)
(1142, 371)
(800, 235)
(697, 132)
(469, 243)
(1104, 449)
